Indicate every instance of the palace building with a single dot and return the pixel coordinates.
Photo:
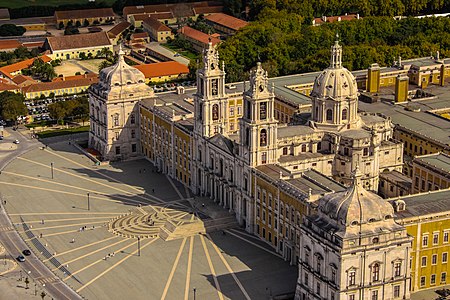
(302, 187)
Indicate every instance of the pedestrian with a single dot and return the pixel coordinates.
(42, 221)
(113, 253)
(203, 204)
(73, 240)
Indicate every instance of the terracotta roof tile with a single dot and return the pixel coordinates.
(76, 77)
(156, 15)
(178, 9)
(84, 13)
(56, 85)
(333, 19)
(198, 35)
(19, 79)
(33, 44)
(9, 44)
(156, 25)
(8, 87)
(227, 21)
(208, 10)
(78, 41)
(162, 69)
(6, 70)
(139, 35)
(118, 29)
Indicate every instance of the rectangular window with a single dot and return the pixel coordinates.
(444, 257)
(435, 237)
(425, 241)
(434, 259)
(396, 291)
(397, 269)
(422, 281)
(374, 295)
(352, 278)
(263, 110)
(433, 279)
(424, 261)
(445, 237)
(443, 277)
(351, 297)
(117, 150)
(231, 111)
(306, 279)
(318, 289)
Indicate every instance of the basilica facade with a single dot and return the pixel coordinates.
(227, 145)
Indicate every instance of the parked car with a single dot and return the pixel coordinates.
(16, 142)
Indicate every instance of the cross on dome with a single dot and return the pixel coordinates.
(336, 54)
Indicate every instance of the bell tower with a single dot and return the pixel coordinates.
(258, 127)
(211, 105)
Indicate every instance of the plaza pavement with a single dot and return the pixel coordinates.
(219, 265)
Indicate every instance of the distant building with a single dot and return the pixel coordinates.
(431, 172)
(157, 30)
(23, 81)
(4, 14)
(70, 46)
(9, 87)
(198, 39)
(225, 24)
(92, 15)
(164, 17)
(332, 19)
(59, 87)
(141, 38)
(9, 45)
(10, 71)
(394, 184)
(174, 11)
(31, 24)
(116, 32)
(163, 71)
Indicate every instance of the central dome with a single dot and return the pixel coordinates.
(335, 82)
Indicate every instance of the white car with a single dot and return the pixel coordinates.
(16, 142)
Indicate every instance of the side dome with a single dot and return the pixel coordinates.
(335, 82)
(121, 74)
(355, 206)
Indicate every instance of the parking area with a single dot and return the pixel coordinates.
(63, 206)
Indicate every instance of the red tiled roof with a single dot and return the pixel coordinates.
(8, 87)
(33, 44)
(139, 35)
(6, 70)
(208, 10)
(9, 44)
(162, 69)
(178, 9)
(156, 15)
(198, 35)
(155, 24)
(118, 29)
(84, 13)
(76, 77)
(78, 41)
(335, 18)
(227, 21)
(19, 79)
(56, 85)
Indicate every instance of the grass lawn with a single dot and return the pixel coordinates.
(50, 133)
(183, 52)
(24, 3)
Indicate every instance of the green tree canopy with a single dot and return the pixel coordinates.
(12, 105)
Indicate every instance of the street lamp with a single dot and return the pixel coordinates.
(194, 290)
(89, 206)
(51, 165)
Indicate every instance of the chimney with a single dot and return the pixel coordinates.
(442, 75)
(399, 61)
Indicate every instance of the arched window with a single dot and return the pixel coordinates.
(376, 272)
(263, 138)
(215, 112)
(344, 114)
(329, 115)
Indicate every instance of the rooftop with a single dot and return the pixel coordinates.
(440, 161)
(118, 29)
(397, 177)
(9, 44)
(178, 9)
(198, 35)
(4, 14)
(8, 87)
(56, 85)
(139, 35)
(332, 19)
(155, 24)
(156, 15)
(227, 21)
(162, 69)
(84, 13)
(434, 202)
(7, 70)
(78, 41)
(28, 21)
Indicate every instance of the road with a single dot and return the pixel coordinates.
(11, 240)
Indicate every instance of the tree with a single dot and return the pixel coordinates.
(57, 111)
(12, 105)
(82, 56)
(61, 25)
(11, 30)
(77, 23)
(86, 22)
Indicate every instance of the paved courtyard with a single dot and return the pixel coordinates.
(84, 224)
